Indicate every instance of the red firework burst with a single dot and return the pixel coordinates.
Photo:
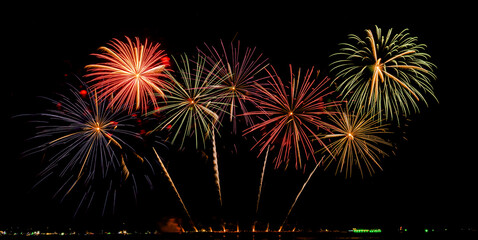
(132, 74)
(292, 115)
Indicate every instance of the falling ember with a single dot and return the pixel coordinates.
(83, 93)
(175, 189)
(298, 195)
(166, 61)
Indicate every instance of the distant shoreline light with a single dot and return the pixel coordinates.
(364, 230)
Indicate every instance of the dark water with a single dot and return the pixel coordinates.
(265, 236)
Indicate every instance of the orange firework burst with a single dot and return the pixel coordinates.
(131, 74)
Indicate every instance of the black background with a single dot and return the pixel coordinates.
(431, 178)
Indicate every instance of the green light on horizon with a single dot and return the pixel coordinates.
(364, 230)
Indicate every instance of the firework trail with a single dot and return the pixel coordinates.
(292, 114)
(240, 71)
(132, 74)
(86, 145)
(298, 195)
(383, 74)
(175, 189)
(216, 166)
(193, 103)
(262, 179)
(355, 142)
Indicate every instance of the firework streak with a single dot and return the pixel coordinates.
(298, 195)
(262, 180)
(175, 189)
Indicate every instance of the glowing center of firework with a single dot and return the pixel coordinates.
(233, 88)
(350, 136)
(191, 101)
(376, 67)
(291, 113)
(96, 127)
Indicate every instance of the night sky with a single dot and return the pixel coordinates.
(430, 178)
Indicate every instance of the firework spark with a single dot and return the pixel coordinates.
(86, 140)
(240, 71)
(132, 74)
(292, 114)
(384, 73)
(355, 142)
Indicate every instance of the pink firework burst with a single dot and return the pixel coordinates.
(291, 115)
(131, 75)
(240, 69)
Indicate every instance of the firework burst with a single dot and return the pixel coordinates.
(355, 142)
(240, 71)
(132, 73)
(290, 115)
(385, 74)
(86, 146)
(193, 106)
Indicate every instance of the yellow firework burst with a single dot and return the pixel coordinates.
(354, 142)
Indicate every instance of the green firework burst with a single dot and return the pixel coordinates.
(387, 74)
(193, 101)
